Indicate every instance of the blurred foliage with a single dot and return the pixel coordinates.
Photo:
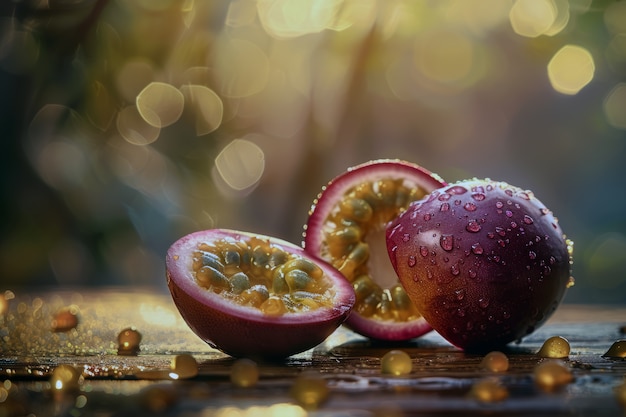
(129, 123)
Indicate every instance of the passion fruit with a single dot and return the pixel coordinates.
(255, 296)
(346, 227)
(486, 263)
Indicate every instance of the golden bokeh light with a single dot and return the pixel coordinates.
(571, 69)
(133, 127)
(240, 164)
(532, 18)
(615, 17)
(206, 106)
(289, 19)
(615, 105)
(241, 68)
(160, 104)
(133, 77)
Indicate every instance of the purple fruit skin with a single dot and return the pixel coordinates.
(485, 262)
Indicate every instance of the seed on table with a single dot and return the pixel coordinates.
(65, 319)
(552, 375)
(128, 341)
(396, 362)
(183, 366)
(244, 373)
(310, 390)
(489, 390)
(556, 347)
(616, 351)
(495, 362)
(65, 378)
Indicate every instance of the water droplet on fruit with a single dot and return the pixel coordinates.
(447, 242)
(473, 226)
(460, 294)
(491, 235)
(483, 302)
(469, 206)
(427, 216)
(544, 211)
(524, 195)
(456, 190)
(513, 225)
(411, 261)
(478, 196)
(472, 274)
(500, 231)
(444, 197)
(454, 270)
(406, 237)
(423, 251)
(509, 192)
(499, 204)
(509, 213)
(528, 219)
(444, 207)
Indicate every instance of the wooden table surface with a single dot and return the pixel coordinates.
(439, 384)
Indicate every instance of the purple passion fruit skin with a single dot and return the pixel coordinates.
(235, 315)
(485, 262)
(346, 228)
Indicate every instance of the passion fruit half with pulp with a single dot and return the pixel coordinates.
(484, 261)
(255, 296)
(346, 227)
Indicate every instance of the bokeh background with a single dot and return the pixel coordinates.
(125, 124)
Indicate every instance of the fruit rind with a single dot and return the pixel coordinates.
(243, 331)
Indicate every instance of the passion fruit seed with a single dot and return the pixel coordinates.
(484, 262)
(556, 347)
(183, 366)
(396, 362)
(495, 361)
(65, 319)
(310, 390)
(616, 351)
(128, 341)
(489, 390)
(552, 375)
(253, 272)
(244, 373)
(359, 212)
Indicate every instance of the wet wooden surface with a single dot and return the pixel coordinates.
(440, 383)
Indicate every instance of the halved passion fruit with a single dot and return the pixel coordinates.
(346, 227)
(255, 296)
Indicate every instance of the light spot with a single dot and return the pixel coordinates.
(134, 129)
(240, 164)
(531, 18)
(571, 69)
(614, 105)
(241, 68)
(160, 104)
(615, 17)
(206, 106)
(290, 19)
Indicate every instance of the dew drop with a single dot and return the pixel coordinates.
(478, 196)
(406, 237)
(429, 274)
(483, 302)
(509, 213)
(444, 197)
(491, 235)
(472, 273)
(545, 211)
(460, 294)
(528, 219)
(423, 251)
(456, 190)
(469, 206)
(499, 204)
(524, 195)
(411, 261)
(500, 231)
(501, 242)
(454, 270)
(513, 225)
(473, 226)
(509, 192)
(477, 249)
(427, 216)
(444, 207)
(446, 242)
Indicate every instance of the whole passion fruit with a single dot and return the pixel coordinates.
(485, 262)
(255, 296)
(346, 227)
